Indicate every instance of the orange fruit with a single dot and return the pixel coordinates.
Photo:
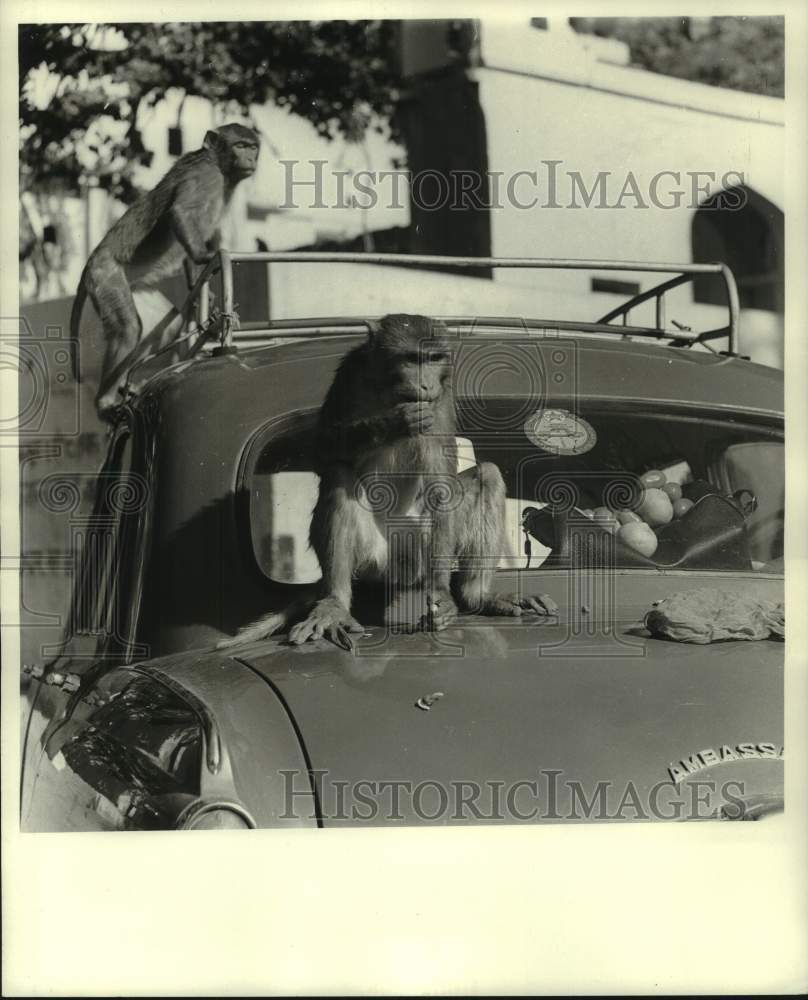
(656, 508)
(681, 507)
(653, 478)
(638, 536)
(606, 518)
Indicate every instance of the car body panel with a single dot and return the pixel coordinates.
(248, 740)
(257, 737)
(607, 368)
(519, 698)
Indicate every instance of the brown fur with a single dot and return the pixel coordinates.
(176, 223)
(385, 446)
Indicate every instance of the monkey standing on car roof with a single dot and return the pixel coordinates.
(385, 449)
(175, 224)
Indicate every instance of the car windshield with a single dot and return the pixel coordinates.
(687, 491)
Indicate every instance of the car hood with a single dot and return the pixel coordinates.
(513, 701)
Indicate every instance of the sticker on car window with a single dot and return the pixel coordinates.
(560, 432)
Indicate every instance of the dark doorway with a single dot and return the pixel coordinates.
(744, 230)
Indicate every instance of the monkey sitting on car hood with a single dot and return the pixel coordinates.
(391, 505)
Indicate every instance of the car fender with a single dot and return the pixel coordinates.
(110, 764)
(250, 737)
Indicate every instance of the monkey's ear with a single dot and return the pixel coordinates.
(211, 140)
(374, 329)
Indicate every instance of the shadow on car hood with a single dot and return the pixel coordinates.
(515, 701)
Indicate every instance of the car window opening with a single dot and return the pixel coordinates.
(730, 475)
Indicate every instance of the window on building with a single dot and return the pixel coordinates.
(744, 230)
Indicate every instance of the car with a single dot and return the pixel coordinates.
(140, 721)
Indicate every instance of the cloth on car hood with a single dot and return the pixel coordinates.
(708, 615)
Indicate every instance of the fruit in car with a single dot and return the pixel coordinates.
(674, 491)
(638, 536)
(656, 508)
(628, 517)
(606, 518)
(653, 478)
(681, 507)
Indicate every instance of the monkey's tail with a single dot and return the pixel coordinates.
(263, 628)
(75, 321)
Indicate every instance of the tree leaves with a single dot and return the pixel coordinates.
(743, 53)
(336, 74)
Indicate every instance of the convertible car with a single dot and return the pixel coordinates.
(137, 720)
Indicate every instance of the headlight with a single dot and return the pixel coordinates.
(202, 815)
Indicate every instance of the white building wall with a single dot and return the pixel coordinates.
(546, 97)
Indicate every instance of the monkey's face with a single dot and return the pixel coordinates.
(412, 359)
(236, 148)
(417, 374)
(244, 158)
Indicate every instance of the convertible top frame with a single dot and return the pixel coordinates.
(223, 323)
